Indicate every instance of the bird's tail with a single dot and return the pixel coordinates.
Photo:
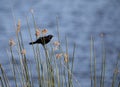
(32, 43)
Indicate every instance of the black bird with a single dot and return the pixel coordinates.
(42, 40)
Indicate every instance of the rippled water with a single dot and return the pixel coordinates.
(78, 20)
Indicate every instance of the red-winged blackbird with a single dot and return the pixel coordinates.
(42, 40)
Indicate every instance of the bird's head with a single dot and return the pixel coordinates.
(50, 36)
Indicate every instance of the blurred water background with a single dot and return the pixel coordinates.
(78, 20)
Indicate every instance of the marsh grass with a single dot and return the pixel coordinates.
(51, 71)
(101, 82)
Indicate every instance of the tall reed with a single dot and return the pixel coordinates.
(52, 66)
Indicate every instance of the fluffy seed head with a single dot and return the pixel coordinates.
(11, 42)
(65, 58)
(44, 31)
(37, 33)
(58, 55)
(18, 26)
(56, 43)
(23, 52)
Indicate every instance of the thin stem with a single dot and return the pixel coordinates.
(91, 56)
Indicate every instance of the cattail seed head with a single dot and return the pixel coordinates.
(11, 42)
(18, 26)
(44, 31)
(37, 33)
(58, 55)
(23, 52)
(56, 43)
(65, 58)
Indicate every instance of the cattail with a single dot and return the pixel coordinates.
(18, 26)
(37, 33)
(44, 31)
(56, 43)
(65, 58)
(58, 55)
(23, 52)
(11, 42)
